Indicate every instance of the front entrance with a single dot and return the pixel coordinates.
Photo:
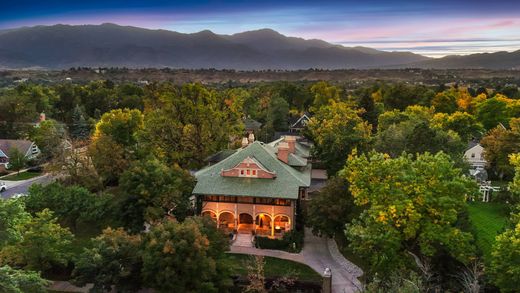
(245, 223)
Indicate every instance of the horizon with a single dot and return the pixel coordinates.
(430, 29)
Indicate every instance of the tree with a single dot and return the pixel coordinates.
(413, 131)
(17, 160)
(446, 101)
(410, 205)
(43, 244)
(336, 130)
(154, 190)
(177, 258)
(464, 124)
(113, 260)
(498, 144)
(21, 281)
(324, 94)
(49, 136)
(185, 125)
(505, 257)
(80, 128)
(109, 158)
(121, 126)
(331, 208)
(492, 112)
(12, 215)
(70, 204)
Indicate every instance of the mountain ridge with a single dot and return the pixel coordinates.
(110, 45)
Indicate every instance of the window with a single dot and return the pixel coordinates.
(211, 198)
(34, 149)
(242, 172)
(248, 172)
(254, 172)
(260, 200)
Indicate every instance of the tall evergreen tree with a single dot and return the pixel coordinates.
(80, 128)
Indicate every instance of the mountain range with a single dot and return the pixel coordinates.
(110, 45)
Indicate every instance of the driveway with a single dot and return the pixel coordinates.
(15, 187)
(318, 253)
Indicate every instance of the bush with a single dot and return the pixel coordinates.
(292, 242)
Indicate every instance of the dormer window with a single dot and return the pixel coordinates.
(248, 173)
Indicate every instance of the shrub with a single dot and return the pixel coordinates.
(291, 241)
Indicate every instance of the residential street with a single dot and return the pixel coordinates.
(15, 187)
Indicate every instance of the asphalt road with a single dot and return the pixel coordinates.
(24, 186)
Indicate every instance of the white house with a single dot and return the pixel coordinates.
(475, 156)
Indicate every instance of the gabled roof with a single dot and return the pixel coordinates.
(7, 145)
(300, 123)
(252, 124)
(286, 184)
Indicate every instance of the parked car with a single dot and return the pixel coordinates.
(3, 187)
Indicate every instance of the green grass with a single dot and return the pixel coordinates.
(274, 267)
(21, 176)
(488, 220)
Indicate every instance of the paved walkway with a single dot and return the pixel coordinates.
(318, 253)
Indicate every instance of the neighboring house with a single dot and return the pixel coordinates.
(24, 146)
(475, 156)
(297, 125)
(257, 188)
(251, 125)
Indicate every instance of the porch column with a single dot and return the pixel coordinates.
(236, 215)
(272, 221)
(254, 218)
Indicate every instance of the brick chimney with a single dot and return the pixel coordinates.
(251, 138)
(283, 152)
(291, 143)
(245, 142)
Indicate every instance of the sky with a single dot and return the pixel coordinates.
(433, 28)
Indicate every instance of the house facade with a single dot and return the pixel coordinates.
(474, 155)
(28, 148)
(257, 188)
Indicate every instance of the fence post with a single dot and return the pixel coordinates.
(327, 281)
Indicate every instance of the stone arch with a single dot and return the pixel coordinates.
(226, 220)
(282, 222)
(210, 213)
(263, 222)
(245, 218)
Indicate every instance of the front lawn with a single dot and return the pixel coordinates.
(488, 220)
(21, 176)
(274, 267)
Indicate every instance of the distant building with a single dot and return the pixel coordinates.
(474, 155)
(257, 188)
(297, 125)
(251, 125)
(24, 146)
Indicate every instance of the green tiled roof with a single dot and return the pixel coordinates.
(286, 184)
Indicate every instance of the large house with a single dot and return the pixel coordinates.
(28, 148)
(257, 188)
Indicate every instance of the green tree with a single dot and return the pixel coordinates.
(331, 208)
(185, 125)
(410, 205)
(505, 258)
(12, 215)
(49, 136)
(70, 204)
(324, 94)
(17, 160)
(498, 144)
(44, 244)
(154, 190)
(21, 281)
(336, 130)
(120, 125)
(464, 124)
(413, 131)
(80, 128)
(113, 260)
(177, 257)
(446, 101)
(492, 112)
(109, 158)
